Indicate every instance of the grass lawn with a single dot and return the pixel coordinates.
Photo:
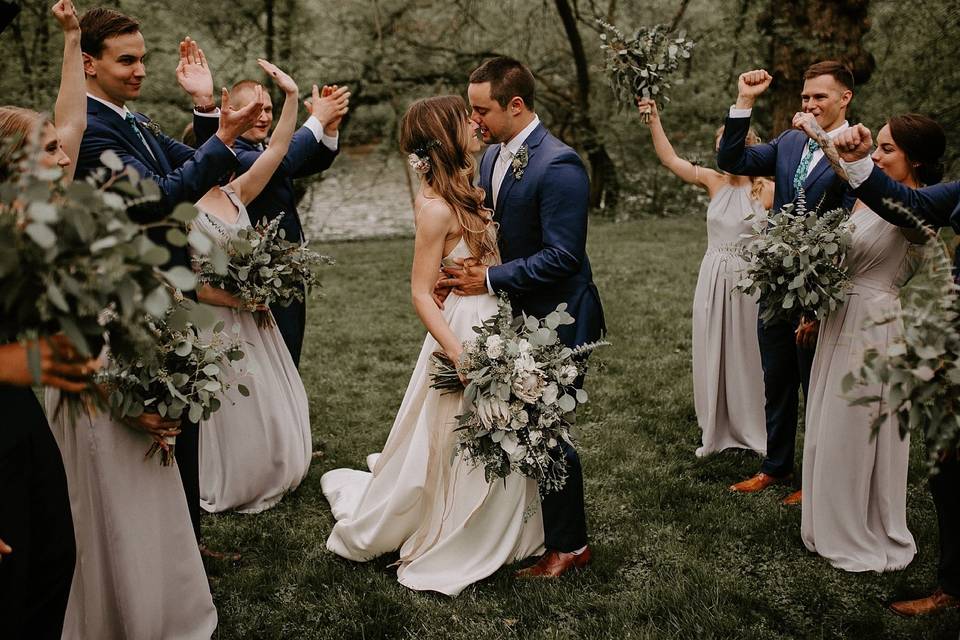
(676, 555)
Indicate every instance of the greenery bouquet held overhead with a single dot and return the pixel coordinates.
(795, 262)
(520, 397)
(642, 66)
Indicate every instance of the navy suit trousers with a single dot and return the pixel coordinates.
(786, 369)
(945, 487)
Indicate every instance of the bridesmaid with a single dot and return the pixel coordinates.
(254, 451)
(855, 483)
(727, 376)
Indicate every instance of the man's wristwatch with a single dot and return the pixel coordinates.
(205, 109)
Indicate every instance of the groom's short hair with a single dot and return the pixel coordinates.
(508, 78)
(99, 24)
(838, 70)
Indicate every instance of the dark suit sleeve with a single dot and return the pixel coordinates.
(734, 156)
(204, 127)
(306, 155)
(187, 183)
(564, 202)
(935, 205)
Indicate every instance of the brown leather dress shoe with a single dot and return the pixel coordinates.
(937, 601)
(758, 482)
(793, 499)
(229, 556)
(554, 564)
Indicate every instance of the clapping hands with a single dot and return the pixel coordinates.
(66, 15)
(193, 73)
(329, 105)
(233, 122)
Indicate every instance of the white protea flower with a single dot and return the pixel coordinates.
(493, 412)
(528, 386)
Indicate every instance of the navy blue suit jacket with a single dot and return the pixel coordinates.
(543, 236)
(183, 174)
(779, 158)
(306, 156)
(938, 204)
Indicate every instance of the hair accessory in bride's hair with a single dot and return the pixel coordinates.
(420, 159)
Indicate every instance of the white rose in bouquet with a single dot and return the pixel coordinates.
(520, 419)
(550, 394)
(493, 412)
(494, 346)
(524, 346)
(568, 374)
(528, 386)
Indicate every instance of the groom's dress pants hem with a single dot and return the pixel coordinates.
(945, 488)
(786, 369)
(564, 516)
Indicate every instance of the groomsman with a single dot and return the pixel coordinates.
(786, 348)
(113, 61)
(938, 205)
(312, 151)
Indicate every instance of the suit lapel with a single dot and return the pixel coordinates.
(531, 143)
(120, 127)
(794, 153)
(816, 173)
(486, 176)
(157, 159)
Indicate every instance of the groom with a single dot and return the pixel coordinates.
(538, 190)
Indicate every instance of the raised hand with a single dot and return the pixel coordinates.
(854, 143)
(193, 73)
(66, 15)
(750, 85)
(648, 110)
(282, 80)
(807, 123)
(329, 105)
(233, 122)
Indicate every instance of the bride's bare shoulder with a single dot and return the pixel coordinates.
(433, 211)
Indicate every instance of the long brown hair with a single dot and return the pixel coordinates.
(436, 129)
(17, 127)
(756, 184)
(923, 142)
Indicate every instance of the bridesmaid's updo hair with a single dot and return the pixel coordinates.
(923, 142)
(17, 127)
(436, 130)
(756, 184)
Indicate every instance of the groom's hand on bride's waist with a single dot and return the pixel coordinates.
(467, 278)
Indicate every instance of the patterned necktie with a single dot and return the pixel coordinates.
(132, 121)
(804, 167)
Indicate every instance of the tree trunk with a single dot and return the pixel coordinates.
(604, 184)
(806, 31)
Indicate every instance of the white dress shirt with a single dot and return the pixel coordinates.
(502, 163)
(817, 155)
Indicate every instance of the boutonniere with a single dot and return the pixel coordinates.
(519, 162)
(152, 127)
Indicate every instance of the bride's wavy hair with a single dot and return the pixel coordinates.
(18, 127)
(436, 129)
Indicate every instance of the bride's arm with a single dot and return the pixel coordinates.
(433, 224)
(250, 184)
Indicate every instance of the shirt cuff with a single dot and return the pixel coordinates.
(210, 114)
(858, 171)
(489, 288)
(740, 113)
(316, 127)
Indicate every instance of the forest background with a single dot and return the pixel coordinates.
(391, 52)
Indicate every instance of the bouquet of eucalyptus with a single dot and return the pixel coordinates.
(73, 262)
(795, 262)
(181, 377)
(520, 397)
(263, 268)
(921, 369)
(642, 66)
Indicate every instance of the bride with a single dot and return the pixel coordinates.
(451, 527)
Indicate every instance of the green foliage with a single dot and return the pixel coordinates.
(641, 66)
(795, 262)
(182, 376)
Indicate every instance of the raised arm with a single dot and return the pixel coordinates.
(683, 169)
(70, 113)
(733, 155)
(433, 224)
(250, 184)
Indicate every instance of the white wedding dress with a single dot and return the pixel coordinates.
(452, 528)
